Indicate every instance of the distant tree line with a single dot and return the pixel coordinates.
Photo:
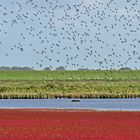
(4, 68)
(63, 68)
(125, 68)
(58, 68)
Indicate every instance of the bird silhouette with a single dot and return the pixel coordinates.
(74, 34)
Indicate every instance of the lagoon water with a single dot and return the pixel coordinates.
(95, 104)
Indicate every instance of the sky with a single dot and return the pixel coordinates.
(110, 38)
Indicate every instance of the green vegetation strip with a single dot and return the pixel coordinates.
(120, 75)
(69, 84)
(68, 89)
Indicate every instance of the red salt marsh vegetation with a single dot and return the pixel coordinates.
(32, 124)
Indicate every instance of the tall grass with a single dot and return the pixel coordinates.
(68, 89)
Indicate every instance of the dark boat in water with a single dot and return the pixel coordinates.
(75, 100)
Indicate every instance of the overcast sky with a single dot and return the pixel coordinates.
(19, 28)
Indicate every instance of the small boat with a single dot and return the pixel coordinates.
(75, 100)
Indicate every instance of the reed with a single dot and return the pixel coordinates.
(34, 89)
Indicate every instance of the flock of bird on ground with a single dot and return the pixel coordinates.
(74, 34)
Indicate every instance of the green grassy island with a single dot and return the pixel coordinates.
(70, 84)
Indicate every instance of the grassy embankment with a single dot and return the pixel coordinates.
(69, 84)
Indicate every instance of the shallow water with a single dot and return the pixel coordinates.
(95, 104)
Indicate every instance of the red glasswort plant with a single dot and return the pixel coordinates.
(31, 124)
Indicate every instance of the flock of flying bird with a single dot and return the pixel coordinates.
(95, 33)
